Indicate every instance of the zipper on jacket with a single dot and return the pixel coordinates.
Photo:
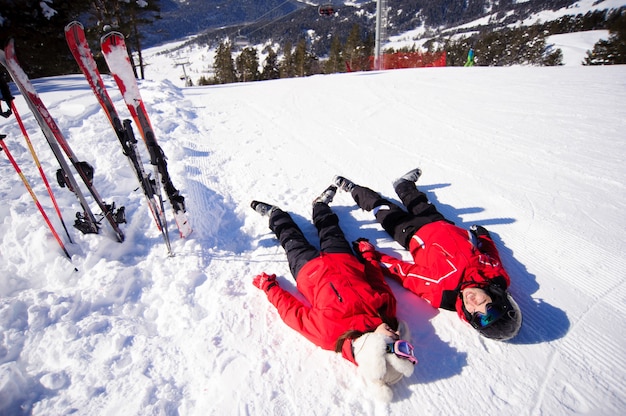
(336, 293)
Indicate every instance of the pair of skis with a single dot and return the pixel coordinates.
(117, 58)
(86, 221)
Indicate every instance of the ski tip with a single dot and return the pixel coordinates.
(10, 46)
(70, 25)
(112, 38)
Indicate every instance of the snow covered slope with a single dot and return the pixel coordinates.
(536, 155)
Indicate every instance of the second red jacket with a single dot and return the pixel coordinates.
(443, 256)
(341, 295)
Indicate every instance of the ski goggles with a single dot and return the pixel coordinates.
(492, 313)
(403, 350)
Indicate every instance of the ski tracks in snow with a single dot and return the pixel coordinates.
(140, 331)
(591, 343)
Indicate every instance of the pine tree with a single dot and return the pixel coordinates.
(223, 65)
(29, 23)
(287, 66)
(127, 17)
(303, 60)
(140, 13)
(247, 65)
(270, 66)
(203, 80)
(335, 58)
(367, 50)
(613, 50)
(352, 46)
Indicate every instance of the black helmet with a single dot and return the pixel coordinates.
(503, 317)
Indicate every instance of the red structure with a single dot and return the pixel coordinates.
(400, 60)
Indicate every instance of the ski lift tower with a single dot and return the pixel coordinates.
(381, 32)
(188, 82)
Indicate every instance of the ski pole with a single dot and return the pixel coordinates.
(32, 194)
(41, 172)
(8, 98)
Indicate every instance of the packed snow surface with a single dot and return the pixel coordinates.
(536, 155)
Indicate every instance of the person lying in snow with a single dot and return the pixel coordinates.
(350, 308)
(452, 268)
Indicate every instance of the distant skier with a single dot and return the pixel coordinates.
(350, 307)
(470, 58)
(452, 268)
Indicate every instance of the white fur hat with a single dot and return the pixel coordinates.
(379, 368)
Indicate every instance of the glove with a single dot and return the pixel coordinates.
(365, 250)
(265, 282)
(479, 231)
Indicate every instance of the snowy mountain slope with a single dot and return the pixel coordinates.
(534, 154)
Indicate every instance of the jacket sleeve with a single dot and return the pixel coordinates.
(297, 315)
(486, 245)
(375, 275)
(414, 277)
(399, 269)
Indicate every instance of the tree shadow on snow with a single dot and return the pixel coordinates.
(542, 322)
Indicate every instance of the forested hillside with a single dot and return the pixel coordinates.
(453, 26)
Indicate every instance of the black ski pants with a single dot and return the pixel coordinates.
(299, 250)
(399, 224)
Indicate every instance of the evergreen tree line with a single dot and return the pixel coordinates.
(37, 28)
(503, 47)
(527, 46)
(298, 61)
(613, 50)
(493, 48)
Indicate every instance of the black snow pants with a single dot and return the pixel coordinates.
(299, 250)
(399, 224)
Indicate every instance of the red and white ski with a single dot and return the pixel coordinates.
(77, 42)
(118, 60)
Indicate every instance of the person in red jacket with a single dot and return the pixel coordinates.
(452, 268)
(350, 308)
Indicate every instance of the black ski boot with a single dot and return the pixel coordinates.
(342, 183)
(410, 176)
(262, 208)
(327, 196)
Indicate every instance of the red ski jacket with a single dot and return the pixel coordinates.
(444, 257)
(341, 295)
